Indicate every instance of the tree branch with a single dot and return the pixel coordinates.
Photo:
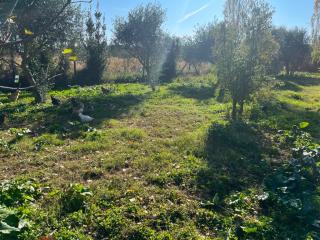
(45, 27)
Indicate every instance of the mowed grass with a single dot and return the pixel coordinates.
(160, 165)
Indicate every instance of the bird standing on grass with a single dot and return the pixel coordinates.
(85, 118)
(14, 96)
(55, 101)
(105, 90)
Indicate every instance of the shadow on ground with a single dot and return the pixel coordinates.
(234, 153)
(283, 116)
(199, 92)
(60, 120)
(295, 82)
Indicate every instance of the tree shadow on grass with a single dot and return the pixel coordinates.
(234, 153)
(60, 120)
(295, 82)
(284, 116)
(199, 92)
(291, 86)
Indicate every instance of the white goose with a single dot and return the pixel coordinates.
(85, 118)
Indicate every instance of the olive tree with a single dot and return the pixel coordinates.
(142, 36)
(244, 49)
(294, 51)
(36, 31)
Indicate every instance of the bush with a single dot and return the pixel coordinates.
(96, 47)
(169, 68)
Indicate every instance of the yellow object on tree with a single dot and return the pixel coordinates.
(67, 51)
(73, 58)
(28, 32)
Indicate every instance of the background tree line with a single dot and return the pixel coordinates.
(40, 38)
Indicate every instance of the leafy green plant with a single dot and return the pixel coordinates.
(74, 198)
(15, 199)
(4, 145)
(46, 140)
(113, 224)
(293, 190)
(296, 137)
(11, 223)
(16, 193)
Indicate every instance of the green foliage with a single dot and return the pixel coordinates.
(96, 48)
(141, 35)
(43, 28)
(74, 198)
(243, 54)
(141, 233)
(113, 224)
(133, 134)
(46, 140)
(294, 192)
(11, 223)
(15, 197)
(294, 52)
(66, 234)
(18, 192)
(169, 67)
(199, 48)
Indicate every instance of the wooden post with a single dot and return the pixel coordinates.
(74, 70)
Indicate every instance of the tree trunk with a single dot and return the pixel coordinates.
(241, 105)
(39, 96)
(234, 110)
(287, 70)
(143, 72)
(195, 68)
(181, 72)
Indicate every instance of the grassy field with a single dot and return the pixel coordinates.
(157, 165)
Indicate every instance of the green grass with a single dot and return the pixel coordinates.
(158, 165)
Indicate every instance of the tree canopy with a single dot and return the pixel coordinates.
(244, 49)
(141, 34)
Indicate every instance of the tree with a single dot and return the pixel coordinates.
(198, 48)
(36, 31)
(244, 49)
(316, 32)
(141, 35)
(294, 51)
(96, 48)
(169, 68)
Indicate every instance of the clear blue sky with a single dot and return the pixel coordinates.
(183, 15)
